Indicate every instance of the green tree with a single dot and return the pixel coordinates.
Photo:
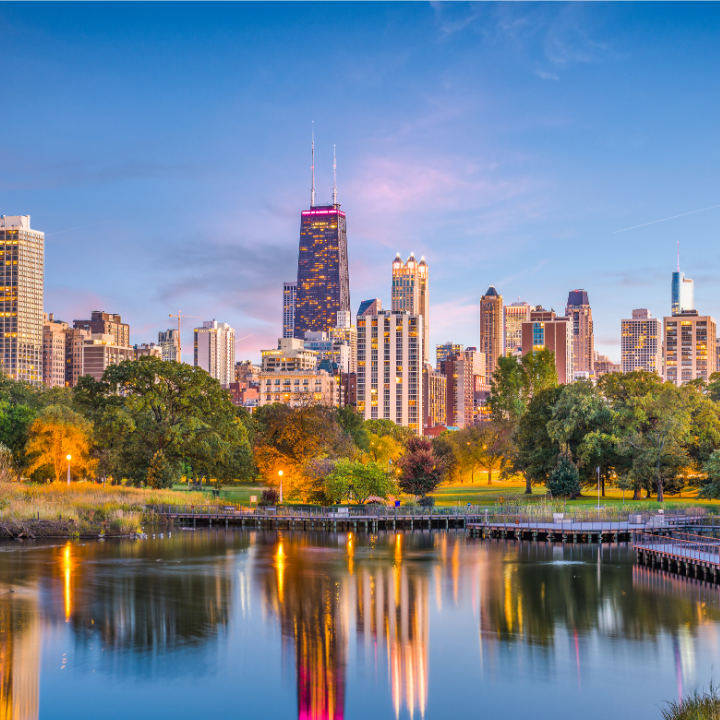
(15, 423)
(420, 469)
(485, 446)
(399, 433)
(148, 406)
(445, 450)
(710, 490)
(564, 479)
(357, 481)
(162, 473)
(353, 424)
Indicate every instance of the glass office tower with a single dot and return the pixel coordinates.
(323, 281)
(683, 293)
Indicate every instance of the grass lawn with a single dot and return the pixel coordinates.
(238, 493)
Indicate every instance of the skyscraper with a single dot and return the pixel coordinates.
(21, 302)
(491, 329)
(169, 344)
(54, 351)
(323, 280)
(389, 375)
(410, 293)
(682, 290)
(289, 298)
(583, 341)
(215, 350)
(444, 351)
(689, 341)
(546, 331)
(102, 323)
(641, 343)
(515, 315)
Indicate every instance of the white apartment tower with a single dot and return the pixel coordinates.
(22, 251)
(641, 343)
(169, 342)
(215, 350)
(390, 367)
(515, 315)
(410, 293)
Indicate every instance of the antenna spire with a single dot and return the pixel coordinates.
(334, 178)
(312, 167)
(678, 256)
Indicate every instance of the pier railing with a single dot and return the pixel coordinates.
(681, 545)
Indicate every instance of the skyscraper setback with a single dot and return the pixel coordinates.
(323, 280)
(583, 339)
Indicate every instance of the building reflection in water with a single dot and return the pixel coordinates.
(19, 658)
(317, 593)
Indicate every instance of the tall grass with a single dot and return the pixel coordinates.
(699, 706)
(85, 505)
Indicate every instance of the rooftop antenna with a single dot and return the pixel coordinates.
(678, 256)
(334, 178)
(312, 167)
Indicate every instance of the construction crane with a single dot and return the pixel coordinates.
(179, 316)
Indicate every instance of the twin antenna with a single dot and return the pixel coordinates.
(312, 167)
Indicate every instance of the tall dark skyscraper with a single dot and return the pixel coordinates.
(323, 280)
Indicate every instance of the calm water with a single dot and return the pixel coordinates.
(425, 624)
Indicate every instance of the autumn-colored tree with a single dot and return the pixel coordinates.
(485, 446)
(56, 433)
(420, 469)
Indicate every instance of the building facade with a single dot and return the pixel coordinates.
(545, 330)
(99, 351)
(370, 307)
(74, 350)
(460, 399)
(641, 343)
(444, 351)
(289, 356)
(411, 293)
(604, 365)
(346, 333)
(323, 280)
(491, 328)
(434, 397)
(689, 341)
(54, 333)
(389, 376)
(289, 299)
(583, 342)
(514, 316)
(102, 323)
(298, 389)
(169, 342)
(215, 350)
(22, 251)
(147, 350)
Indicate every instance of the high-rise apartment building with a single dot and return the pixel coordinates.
(434, 397)
(604, 365)
(169, 342)
(102, 323)
(491, 328)
(583, 342)
(370, 307)
(215, 350)
(54, 333)
(411, 293)
(689, 341)
(22, 256)
(460, 399)
(641, 343)
(289, 299)
(298, 388)
(74, 348)
(389, 376)
(515, 315)
(444, 351)
(545, 330)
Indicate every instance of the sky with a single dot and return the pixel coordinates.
(164, 149)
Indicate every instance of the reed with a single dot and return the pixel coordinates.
(699, 706)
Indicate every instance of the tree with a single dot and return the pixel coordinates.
(15, 423)
(357, 481)
(420, 469)
(564, 479)
(710, 490)
(536, 453)
(56, 433)
(353, 424)
(399, 433)
(147, 406)
(445, 450)
(484, 446)
(383, 449)
(162, 473)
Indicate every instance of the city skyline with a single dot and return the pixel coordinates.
(209, 225)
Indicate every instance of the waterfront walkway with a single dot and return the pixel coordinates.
(683, 553)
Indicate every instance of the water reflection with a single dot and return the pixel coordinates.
(371, 611)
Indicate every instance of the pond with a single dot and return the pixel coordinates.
(424, 624)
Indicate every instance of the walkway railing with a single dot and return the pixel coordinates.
(681, 545)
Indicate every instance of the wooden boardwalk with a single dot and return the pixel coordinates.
(682, 553)
(564, 530)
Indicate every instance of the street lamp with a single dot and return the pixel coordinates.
(69, 458)
(280, 473)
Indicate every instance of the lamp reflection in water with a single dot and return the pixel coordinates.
(67, 571)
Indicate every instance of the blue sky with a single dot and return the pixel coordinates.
(507, 143)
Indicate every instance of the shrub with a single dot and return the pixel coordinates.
(427, 501)
(564, 480)
(269, 497)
